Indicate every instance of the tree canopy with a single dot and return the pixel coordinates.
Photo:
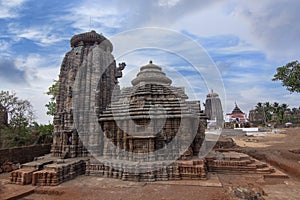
(51, 105)
(21, 128)
(20, 112)
(289, 75)
(276, 112)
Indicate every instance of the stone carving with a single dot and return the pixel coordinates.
(147, 127)
(156, 114)
(91, 53)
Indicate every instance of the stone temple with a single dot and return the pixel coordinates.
(213, 109)
(147, 132)
(150, 123)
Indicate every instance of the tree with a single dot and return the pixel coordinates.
(274, 112)
(20, 112)
(41, 134)
(265, 109)
(20, 117)
(289, 74)
(52, 91)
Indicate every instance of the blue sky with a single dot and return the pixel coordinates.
(246, 42)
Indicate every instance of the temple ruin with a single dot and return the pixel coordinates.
(147, 132)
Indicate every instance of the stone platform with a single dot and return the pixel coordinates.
(48, 170)
(149, 171)
(235, 162)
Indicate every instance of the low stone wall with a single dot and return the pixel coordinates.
(23, 154)
(127, 171)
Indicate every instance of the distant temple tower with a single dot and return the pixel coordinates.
(213, 109)
(91, 53)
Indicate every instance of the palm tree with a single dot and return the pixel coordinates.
(260, 109)
(268, 111)
(282, 109)
(258, 106)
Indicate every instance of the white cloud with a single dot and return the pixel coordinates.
(169, 42)
(268, 26)
(42, 35)
(4, 45)
(91, 14)
(273, 25)
(39, 74)
(10, 8)
(168, 3)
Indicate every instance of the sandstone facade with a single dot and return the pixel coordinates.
(90, 55)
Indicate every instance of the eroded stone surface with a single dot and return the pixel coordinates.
(90, 54)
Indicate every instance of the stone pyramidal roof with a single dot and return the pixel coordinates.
(151, 88)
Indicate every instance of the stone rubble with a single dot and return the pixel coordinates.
(234, 162)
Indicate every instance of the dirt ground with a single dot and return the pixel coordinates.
(280, 150)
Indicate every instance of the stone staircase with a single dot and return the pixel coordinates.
(234, 162)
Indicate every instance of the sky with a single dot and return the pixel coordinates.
(237, 45)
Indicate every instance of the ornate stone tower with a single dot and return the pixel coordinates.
(91, 52)
(213, 109)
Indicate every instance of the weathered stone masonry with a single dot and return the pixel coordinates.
(89, 50)
(147, 132)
